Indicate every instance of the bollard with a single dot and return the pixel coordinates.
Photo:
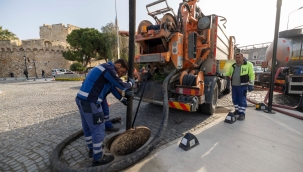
(188, 141)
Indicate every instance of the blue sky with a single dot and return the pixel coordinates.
(250, 21)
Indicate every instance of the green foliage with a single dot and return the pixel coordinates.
(7, 35)
(87, 42)
(110, 35)
(69, 79)
(77, 67)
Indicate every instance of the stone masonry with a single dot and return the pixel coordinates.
(44, 53)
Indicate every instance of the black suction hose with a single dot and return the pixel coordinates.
(145, 81)
(127, 160)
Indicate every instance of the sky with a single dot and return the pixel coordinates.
(250, 21)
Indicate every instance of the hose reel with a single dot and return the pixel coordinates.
(192, 82)
(191, 79)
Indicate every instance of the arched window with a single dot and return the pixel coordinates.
(47, 44)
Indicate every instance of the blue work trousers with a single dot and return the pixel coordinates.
(239, 98)
(92, 118)
(105, 108)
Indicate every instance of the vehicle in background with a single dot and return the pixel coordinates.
(289, 56)
(61, 71)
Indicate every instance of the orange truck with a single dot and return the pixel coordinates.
(194, 44)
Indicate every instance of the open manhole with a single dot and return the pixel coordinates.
(129, 141)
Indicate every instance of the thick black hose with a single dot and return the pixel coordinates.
(189, 80)
(127, 160)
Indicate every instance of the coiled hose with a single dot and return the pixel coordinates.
(127, 160)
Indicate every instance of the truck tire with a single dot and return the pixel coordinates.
(226, 91)
(209, 108)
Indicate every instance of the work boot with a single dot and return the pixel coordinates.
(115, 120)
(114, 129)
(90, 153)
(236, 112)
(241, 117)
(104, 160)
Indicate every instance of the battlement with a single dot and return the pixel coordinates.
(32, 45)
(52, 38)
(56, 32)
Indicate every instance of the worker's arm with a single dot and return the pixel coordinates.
(116, 92)
(112, 77)
(251, 73)
(230, 71)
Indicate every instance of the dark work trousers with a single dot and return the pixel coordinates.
(239, 98)
(105, 108)
(92, 118)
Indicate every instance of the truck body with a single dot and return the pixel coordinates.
(289, 55)
(194, 44)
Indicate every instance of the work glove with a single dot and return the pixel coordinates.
(126, 93)
(124, 101)
(250, 86)
(131, 81)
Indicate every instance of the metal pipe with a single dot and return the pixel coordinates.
(25, 62)
(272, 79)
(118, 42)
(301, 48)
(131, 57)
(35, 68)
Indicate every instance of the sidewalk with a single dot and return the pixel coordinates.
(262, 142)
(12, 79)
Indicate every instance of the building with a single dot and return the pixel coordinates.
(35, 55)
(255, 53)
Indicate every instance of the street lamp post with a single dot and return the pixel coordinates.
(83, 66)
(117, 27)
(35, 68)
(24, 57)
(292, 12)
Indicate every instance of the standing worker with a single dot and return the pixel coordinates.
(101, 80)
(242, 79)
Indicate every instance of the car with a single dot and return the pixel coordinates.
(61, 71)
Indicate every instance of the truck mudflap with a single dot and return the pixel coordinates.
(181, 106)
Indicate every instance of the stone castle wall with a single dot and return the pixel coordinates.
(56, 32)
(44, 53)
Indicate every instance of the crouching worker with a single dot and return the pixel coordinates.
(91, 99)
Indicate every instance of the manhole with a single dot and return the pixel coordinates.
(130, 141)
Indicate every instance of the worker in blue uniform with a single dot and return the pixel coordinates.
(91, 99)
(242, 80)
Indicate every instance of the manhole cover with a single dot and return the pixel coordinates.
(130, 141)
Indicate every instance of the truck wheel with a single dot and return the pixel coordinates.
(226, 91)
(209, 108)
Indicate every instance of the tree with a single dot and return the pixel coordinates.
(87, 43)
(7, 35)
(76, 67)
(109, 33)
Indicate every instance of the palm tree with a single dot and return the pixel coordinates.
(7, 35)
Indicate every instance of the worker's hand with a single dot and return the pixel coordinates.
(124, 101)
(131, 80)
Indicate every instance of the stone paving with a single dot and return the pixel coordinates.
(35, 116)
